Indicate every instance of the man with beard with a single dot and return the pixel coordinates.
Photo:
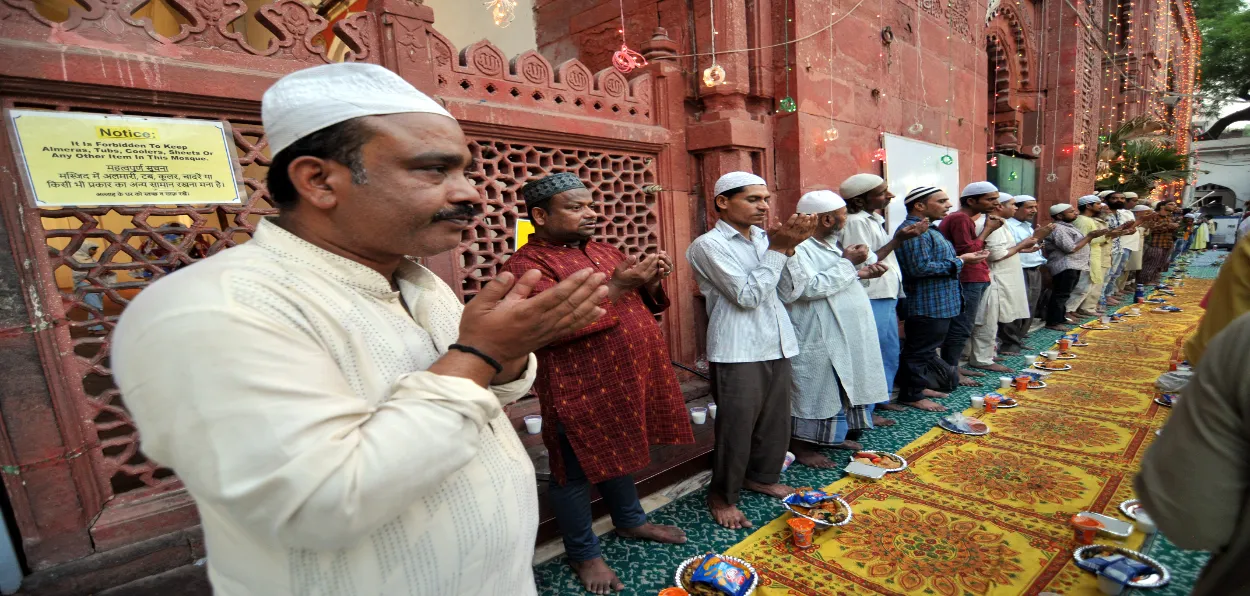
(1067, 255)
(1118, 218)
(837, 337)
(607, 391)
(1012, 334)
(931, 279)
(1084, 300)
(1134, 242)
(865, 194)
(1162, 228)
(1008, 298)
(339, 424)
(967, 229)
(749, 340)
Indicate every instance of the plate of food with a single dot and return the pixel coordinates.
(1130, 508)
(826, 510)
(963, 425)
(1155, 577)
(1007, 402)
(1156, 301)
(892, 462)
(1166, 400)
(1052, 366)
(1095, 326)
(1066, 356)
(1035, 384)
(699, 575)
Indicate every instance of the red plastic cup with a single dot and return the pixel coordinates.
(1022, 383)
(802, 530)
(991, 404)
(1065, 345)
(1085, 529)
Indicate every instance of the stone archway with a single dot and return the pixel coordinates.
(1011, 54)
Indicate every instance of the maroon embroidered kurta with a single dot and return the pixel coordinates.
(611, 384)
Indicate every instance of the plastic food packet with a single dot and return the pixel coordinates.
(808, 498)
(724, 576)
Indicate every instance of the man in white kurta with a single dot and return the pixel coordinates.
(1007, 298)
(338, 425)
(839, 360)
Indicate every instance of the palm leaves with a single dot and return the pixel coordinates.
(1142, 164)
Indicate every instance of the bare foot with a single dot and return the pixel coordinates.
(1009, 354)
(1058, 327)
(927, 405)
(777, 490)
(849, 445)
(966, 382)
(882, 421)
(998, 359)
(970, 373)
(725, 514)
(995, 367)
(814, 459)
(892, 407)
(654, 533)
(597, 576)
(931, 394)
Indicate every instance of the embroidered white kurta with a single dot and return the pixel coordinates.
(1007, 297)
(286, 386)
(833, 320)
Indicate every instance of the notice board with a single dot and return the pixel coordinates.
(910, 163)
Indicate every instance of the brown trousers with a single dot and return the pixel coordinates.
(752, 424)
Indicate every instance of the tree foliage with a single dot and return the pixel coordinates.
(1142, 164)
(1225, 26)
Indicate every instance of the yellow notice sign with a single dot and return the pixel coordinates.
(521, 232)
(83, 160)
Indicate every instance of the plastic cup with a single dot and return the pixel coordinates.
(673, 592)
(1105, 319)
(1050, 354)
(978, 401)
(1022, 383)
(1029, 359)
(991, 404)
(1065, 344)
(711, 410)
(801, 530)
(533, 424)
(1134, 310)
(698, 415)
(1172, 365)
(1110, 586)
(1085, 529)
(1004, 382)
(1145, 524)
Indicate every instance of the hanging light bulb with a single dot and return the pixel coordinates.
(502, 11)
(713, 75)
(626, 60)
(831, 134)
(788, 105)
(1122, 179)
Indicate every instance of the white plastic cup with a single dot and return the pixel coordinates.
(533, 424)
(1030, 359)
(698, 415)
(978, 401)
(1144, 524)
(785, 464)
(1105, 319)
(1004, 382)
(1050, 354)
(1134, 310)
(711, 409)
(1109, 586)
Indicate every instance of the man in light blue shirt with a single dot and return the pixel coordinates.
(1011, 335)
(749, 340)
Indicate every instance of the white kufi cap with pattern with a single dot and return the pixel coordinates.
(1088, 200)
(978, 188)
(859, 184)
(1019, 199)
(1059, 208)
(734, 180)
(1004, 197)
(819, 201)
(309, 100)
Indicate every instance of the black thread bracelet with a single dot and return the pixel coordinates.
(476, 352)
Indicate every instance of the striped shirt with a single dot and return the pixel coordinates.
(869, 228)
(1060, 249)
(738, 277)
(930, 274)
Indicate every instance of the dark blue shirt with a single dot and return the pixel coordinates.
(930, 274)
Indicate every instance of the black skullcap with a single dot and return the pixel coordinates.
(540, 191)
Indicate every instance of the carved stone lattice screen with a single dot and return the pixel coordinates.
(100, 258)
(618, 180)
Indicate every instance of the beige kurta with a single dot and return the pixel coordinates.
(287, 388)
(1007, 298)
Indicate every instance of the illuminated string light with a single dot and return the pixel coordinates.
(502, 11)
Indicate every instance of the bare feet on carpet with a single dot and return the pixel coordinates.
(814, 459)
(998, 359)
(1009, 354)
(892, 407)
(966, 382)
(996, 368)
(725, 514)
(1058, 327)
(597, 576)
(931, 394)
(776, 490)
(849, 445)
(927, 405)
(882, 421)
(970, 373)
(654, 533)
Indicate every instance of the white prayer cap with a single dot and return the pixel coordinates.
(1102, 194)
(1191, 216)
(309, 100)
(1130, 195)
(859, 184)
(1024, 199)
(1060, 208)
(1088, 200)
(978, 188)
(1004, 197)
(1140, 208)
(918, 193)
(734, 180)
(819, 201)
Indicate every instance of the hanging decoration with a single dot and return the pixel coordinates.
(947, 160)
(1013, 175)
(626, 60)
(831, 133)
(879, 155)
(787, 103)
(713, 75)
(503, 11)
(993, 161)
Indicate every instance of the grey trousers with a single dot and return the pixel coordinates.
(1011, 335)
(752, 424)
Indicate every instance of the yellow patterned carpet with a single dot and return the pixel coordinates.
(988, 515)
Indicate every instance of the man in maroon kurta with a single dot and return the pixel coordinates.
(961, 228)
(607, 391)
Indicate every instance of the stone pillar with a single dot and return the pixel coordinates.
(1069, 162)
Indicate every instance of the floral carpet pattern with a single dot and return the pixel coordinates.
(971, 515)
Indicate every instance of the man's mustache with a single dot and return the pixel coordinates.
(456, 212)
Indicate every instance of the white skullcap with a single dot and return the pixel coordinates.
(1060, 208)
(1087, 200)
(1130, 195)
(1191, 216)
(309, 100)
(1102, 194)
(734, 180)
(819, 201)
(1004, 197)
(918, 193)
(1140, 208)
(1024, 199)
(859, 184)
(978, 188)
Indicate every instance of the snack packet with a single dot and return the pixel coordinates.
(808, 498)
(722, 575)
